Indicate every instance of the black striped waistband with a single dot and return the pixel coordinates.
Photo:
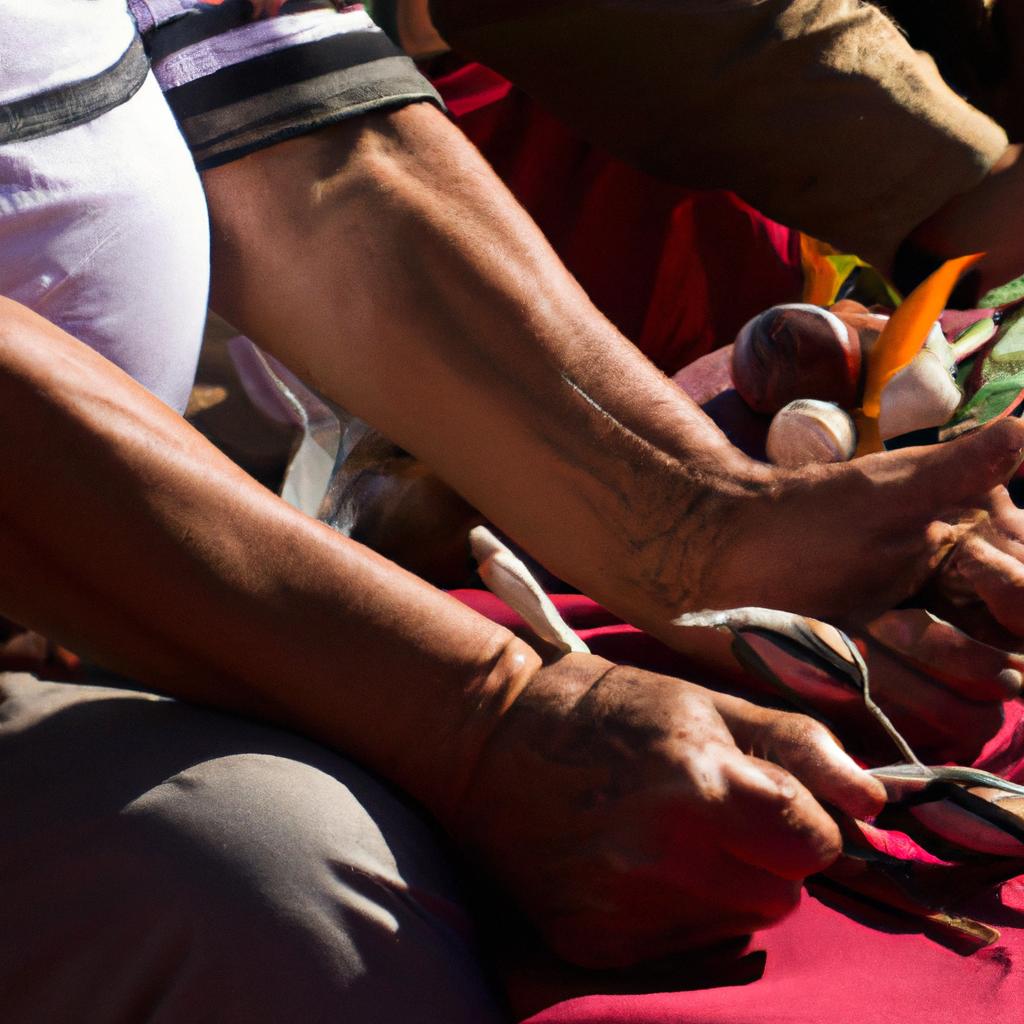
(76, 103)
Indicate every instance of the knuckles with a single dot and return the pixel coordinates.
(802, 734)
(669, 773)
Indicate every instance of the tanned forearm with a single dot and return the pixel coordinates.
(387, 265)
(125, 535)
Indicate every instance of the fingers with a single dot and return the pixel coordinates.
(998, 580)
(966, 666)
(938, 723)
(986, 567)
(772, 822)
(625, 820)
(943, 476)
(733, 868)
(806, 749)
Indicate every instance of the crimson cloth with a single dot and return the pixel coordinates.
(678, 271)
(821, 965)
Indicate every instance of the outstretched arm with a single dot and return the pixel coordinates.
(125, 534)
(385, 263)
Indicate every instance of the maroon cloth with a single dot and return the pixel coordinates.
(678, 271)
(829, 963)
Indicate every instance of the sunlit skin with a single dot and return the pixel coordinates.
(382, 260)
(225, 595)
(468, 344)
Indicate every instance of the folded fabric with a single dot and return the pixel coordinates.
(837, 959)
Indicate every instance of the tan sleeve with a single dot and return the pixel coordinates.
(818, 112)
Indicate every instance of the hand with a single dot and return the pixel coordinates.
(985, 569)
(633, 815)
(846, 542)
(942, 689)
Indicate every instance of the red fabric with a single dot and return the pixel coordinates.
(676, 270)
(829, 963)
(823, 967)
(679, 272)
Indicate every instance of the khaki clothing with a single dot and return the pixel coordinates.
(817, 112)
(165, 864)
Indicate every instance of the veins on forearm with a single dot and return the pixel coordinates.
(664, 515)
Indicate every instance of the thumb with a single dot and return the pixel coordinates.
(944, 475)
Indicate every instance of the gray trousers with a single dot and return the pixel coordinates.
(162, 863)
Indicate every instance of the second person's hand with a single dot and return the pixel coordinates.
(633, 815)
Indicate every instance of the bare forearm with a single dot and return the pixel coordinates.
(124, 534)
(385, 262)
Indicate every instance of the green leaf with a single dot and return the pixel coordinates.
(1009, 292)
(973, 338)
(989, 401)
(1010, 347)
(963, 373)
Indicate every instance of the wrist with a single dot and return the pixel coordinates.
(516, 742)
(487, 698)
(686, 524)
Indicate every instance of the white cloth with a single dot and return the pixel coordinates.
(103, 231)
(48, 43)
(103, 227)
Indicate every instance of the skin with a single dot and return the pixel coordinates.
(976, 221)
(265, 8)
(382, 261)
(653, 832)
(237, 600)
(468, 344)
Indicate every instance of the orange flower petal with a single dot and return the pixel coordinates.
(907, 330)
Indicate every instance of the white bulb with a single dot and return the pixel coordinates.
(808, 431)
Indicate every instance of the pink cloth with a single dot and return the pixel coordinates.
(824, 967)
(828, 963)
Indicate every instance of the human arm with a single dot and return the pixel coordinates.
(980, 219)
(384, 262)
(126, 535)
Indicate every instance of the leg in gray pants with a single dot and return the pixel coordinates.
(163, 863)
